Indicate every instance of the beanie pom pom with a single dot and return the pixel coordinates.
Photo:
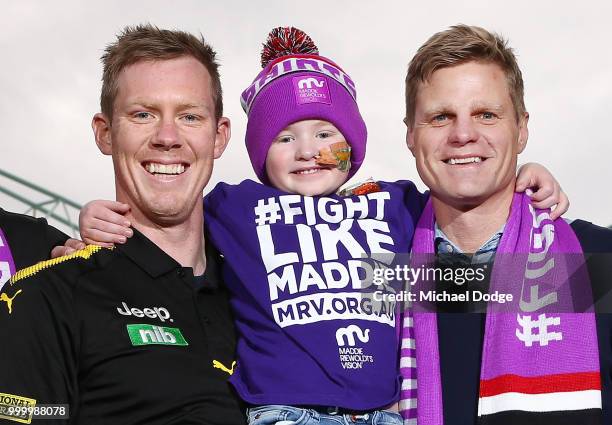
(284, 41)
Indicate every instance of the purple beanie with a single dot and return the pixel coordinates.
(296, 87)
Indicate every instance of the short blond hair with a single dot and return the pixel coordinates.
(147, 42)
(457, 45)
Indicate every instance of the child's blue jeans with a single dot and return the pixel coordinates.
(289, 415)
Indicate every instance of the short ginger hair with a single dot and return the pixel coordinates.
(146, 42)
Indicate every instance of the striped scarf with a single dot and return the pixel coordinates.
(408, 394)
(540, 364)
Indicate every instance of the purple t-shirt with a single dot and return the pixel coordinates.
(309, 333)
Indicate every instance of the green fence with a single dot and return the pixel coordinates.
(40, 202)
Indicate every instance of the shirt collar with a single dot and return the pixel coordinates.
(484, 254)
(148, 256)
(155, 262)
(212, 274)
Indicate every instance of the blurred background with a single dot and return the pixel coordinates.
(50, 84)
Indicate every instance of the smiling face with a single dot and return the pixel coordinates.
(290, 163)
(163, 137)
(466, 136)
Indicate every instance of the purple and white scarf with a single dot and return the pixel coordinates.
(540, 362)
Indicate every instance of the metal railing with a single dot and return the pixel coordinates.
(51, 205)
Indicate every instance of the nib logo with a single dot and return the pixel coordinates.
(155, 335)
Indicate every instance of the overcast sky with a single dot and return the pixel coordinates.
(50, 81)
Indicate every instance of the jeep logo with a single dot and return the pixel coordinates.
(160, 313)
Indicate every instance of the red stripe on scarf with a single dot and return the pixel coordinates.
(563, 382)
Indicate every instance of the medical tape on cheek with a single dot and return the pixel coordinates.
(336, 155)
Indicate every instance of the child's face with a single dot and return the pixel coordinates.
(291, 165)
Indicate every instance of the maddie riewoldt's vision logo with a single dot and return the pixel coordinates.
(353, 357)
(311, 90)
(309, 82)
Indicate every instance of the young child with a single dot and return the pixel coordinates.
(312, 346)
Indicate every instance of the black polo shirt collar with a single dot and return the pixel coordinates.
(155, 262)
(148, 256)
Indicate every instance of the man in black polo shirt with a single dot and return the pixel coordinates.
(24, 240)
(466, 124)
(140, 334)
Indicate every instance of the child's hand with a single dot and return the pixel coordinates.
(103, 223)
(68, 248)
(547, 191)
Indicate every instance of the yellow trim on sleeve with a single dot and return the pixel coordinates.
(85, 253)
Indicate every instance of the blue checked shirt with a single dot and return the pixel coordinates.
(483, 255)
